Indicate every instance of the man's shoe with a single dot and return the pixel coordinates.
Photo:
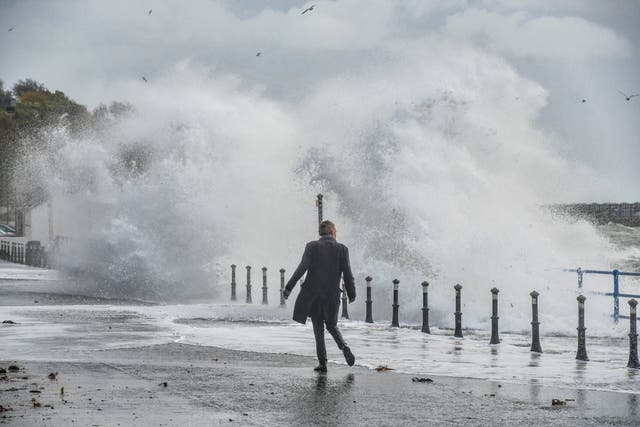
(348, 356)
(320, 368)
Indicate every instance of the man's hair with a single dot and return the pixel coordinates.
(326, 227)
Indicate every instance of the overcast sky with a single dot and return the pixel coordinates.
(573, 49)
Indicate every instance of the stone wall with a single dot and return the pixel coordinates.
(602, 213)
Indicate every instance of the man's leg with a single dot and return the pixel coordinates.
(337, 336)
(318, 331)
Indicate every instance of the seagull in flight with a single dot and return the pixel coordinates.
(628, 97)
(144, 78)
(259, 53)
(309, 9)
(150, 10)
(10, 29)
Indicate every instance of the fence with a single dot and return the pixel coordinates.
(30, 253)
(616, 294)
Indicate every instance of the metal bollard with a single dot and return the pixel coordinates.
(369, 315)
(425, 308)
(282, 303)
(345, 311)
(495, 339)
(248, 301)
(458, 313)
(582, 346)
(633, 336)
(394, 319)
(265, 299)
(535, 324)
(233, 282)
(319, 205)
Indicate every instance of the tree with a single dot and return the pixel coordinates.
(28, 85)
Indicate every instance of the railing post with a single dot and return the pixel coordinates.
(369, 314)
(616, 295)
(633, 336)
(425, 307)
(233, 282)
(495, 339)
(248, 300)
(535, 324)
(27, 253)
(319, 206)
(345, 310)
(458, 313)
(265, 299)
(579, 271)
(45, 258)
(582, 345)
(282, 303)
(394, 318)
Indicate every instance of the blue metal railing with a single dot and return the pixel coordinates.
(616, 287)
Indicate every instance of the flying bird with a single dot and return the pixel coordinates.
(583, 100)
(309, 9)
(144, 78)
(150, 10)
(259, 53)
(628, 97)
(10, 29)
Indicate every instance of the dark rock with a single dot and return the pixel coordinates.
(8, 322)
(421, 380)
(13, 368)
(53, 376)
(558, 402)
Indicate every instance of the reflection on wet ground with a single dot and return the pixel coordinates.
(42, 331)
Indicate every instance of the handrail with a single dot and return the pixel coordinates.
(616, 294)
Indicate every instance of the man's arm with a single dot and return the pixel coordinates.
(347, 276)
(302, 268)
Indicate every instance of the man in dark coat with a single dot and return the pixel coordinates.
(324, 261)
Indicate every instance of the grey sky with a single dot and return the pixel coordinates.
(574, 49)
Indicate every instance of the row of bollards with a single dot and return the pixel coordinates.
(581, 353)
(265, 289)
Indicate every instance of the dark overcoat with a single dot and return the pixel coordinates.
(324, 261)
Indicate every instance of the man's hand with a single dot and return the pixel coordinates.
(285, 293)
(352, 300)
